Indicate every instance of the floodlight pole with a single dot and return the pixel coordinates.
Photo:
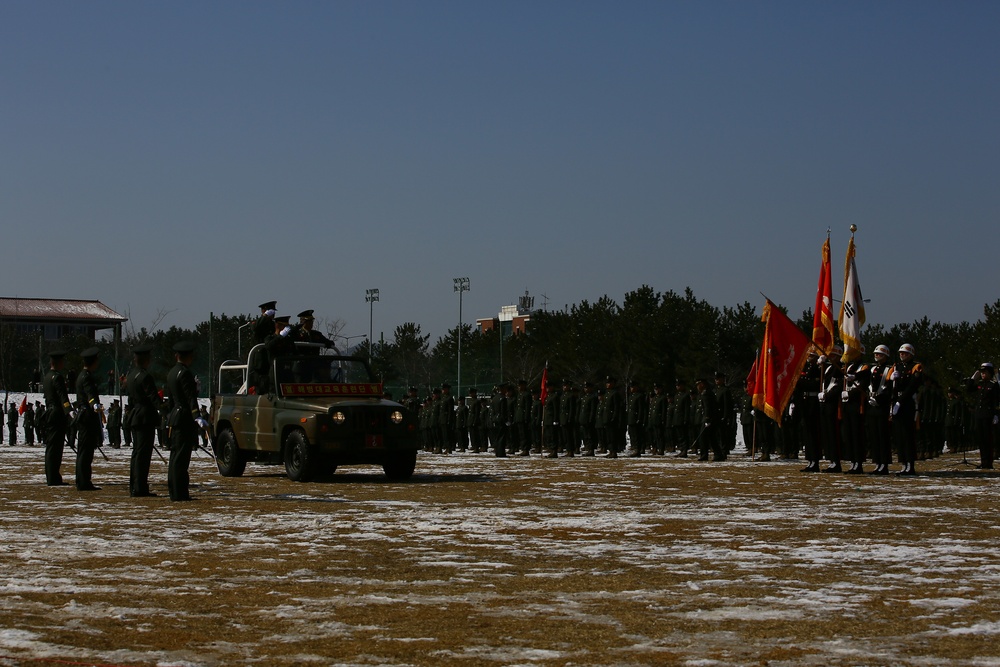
(461, 285)
(371, 296)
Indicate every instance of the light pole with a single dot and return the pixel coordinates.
(239, 338)
(371, 296)
(347, 350)
(461, 285)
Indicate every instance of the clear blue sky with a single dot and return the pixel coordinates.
(207, 156)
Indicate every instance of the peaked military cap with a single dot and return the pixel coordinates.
(90, 353)
(145, 348)
(57, 353)
(268, 305)
(184, 347)
(306, 314)
(283, 319)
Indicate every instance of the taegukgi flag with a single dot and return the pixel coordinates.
(852, 310)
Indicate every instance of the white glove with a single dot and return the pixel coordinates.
(270, 312)
(895, 409)
(821, 396)
(872, 402)
(895, 375)
(791, 409)
(200, 421)
(72, 414)
(97, 407)
(555, 423)
(707, 424)
(851, 378)
(821, 360)
(845, 396)
(753, 413)
(286, 331)
(996, 420)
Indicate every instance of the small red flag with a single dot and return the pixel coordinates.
(823, 313)
(24, 405)
(545, 380)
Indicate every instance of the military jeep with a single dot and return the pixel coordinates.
(310, 411)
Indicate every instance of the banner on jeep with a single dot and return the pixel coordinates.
(358, 389)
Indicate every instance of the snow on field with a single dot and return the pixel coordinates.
(513, 561)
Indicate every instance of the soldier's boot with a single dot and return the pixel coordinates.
(812, 467)
(833, 467)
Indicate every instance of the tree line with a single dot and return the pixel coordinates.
(650, 336)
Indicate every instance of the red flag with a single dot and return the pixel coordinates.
(782, 357)
(823, 312)
(545, 380)
(24, 405)
(751, 382)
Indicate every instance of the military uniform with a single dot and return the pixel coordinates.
(143, 417)
(475, 422)
(986, 407)
(852, 402)
(726, 431)
(829, 411)
(568, 416)
(906, 380)
(182, 422)
(88, 420)
(707, 417)
(656, 419)
(588, 419)
(446, 419)
(877, 410)
(57, 411)
(115, 425)
(635, 419)
(681, 423)
(499, 421)
(522, 418)
(461, 425)
(12, 419)
(614, 418)
(29, 424)
(550, 421)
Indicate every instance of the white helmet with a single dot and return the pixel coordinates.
(882, 349)
(906, 347)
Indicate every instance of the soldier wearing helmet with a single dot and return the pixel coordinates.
(856, 379)
(986, 408)
(906, 380)
(829, 398)
(877, 411)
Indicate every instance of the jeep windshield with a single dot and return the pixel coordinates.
(325, 376)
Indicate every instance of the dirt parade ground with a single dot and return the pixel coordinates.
(486, 561)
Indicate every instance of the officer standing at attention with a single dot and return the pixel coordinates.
(906, 379)
(12, 416)
(57, 411)
(88, 419)
(986, 405)
(614, 417)
(143, 418)
(707, 417)
(184, 422)
(115, 424)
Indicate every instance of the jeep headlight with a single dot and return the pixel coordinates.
(396, 417)
(339, 417)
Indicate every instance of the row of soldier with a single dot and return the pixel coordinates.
(81, 419)
(581, 420)
(874, 409)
